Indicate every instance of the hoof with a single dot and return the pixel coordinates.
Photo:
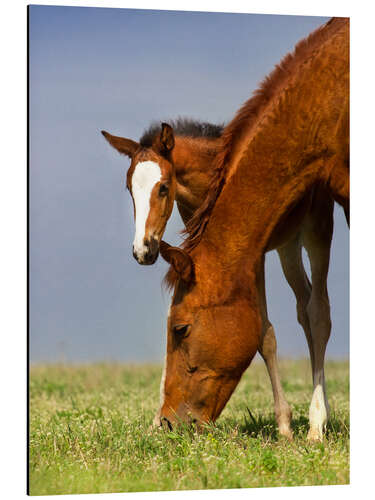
(315, 435)
(286, 432)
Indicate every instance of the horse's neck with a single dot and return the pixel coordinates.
(292, 147)
(193, 160)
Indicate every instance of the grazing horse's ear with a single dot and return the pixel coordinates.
(165, 142)
(180, 260)
(124, 146)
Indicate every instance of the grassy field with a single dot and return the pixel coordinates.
(90, 433)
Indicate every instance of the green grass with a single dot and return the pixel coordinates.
(90, 433)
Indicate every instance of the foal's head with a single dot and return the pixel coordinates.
(151, 182)
(212, 337)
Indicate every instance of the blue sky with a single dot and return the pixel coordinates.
(118, 70)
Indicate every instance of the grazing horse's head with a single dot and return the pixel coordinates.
(152, 184)
(211, 339)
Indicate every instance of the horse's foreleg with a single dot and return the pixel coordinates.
(317, 236)
(268, 349)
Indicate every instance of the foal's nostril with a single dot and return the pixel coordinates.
(151, 250)
(153, 245)
(165, 424)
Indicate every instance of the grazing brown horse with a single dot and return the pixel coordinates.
(185, 163)
(186, 177)
(293, 137)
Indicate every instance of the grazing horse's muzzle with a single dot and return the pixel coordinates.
(165, 424)
(169, 422)
(148, 253)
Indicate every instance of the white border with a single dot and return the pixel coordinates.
(13, 243)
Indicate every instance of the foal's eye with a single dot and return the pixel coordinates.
(181, 330)
(163, 190)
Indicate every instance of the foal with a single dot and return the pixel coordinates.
(167, 165)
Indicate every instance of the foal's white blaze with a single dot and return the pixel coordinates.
(146, 174)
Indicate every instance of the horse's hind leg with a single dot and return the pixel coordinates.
(290, 256)
(267, 349)
(317, 236)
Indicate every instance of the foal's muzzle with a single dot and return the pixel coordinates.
(149, 253)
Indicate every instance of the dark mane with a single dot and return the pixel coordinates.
(246, 118)
(185, 127)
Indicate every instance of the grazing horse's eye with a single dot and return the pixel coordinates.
(163, 190)
(181, 330)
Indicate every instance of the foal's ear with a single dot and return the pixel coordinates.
(180, 260)
(165, 142)
(124, 146)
